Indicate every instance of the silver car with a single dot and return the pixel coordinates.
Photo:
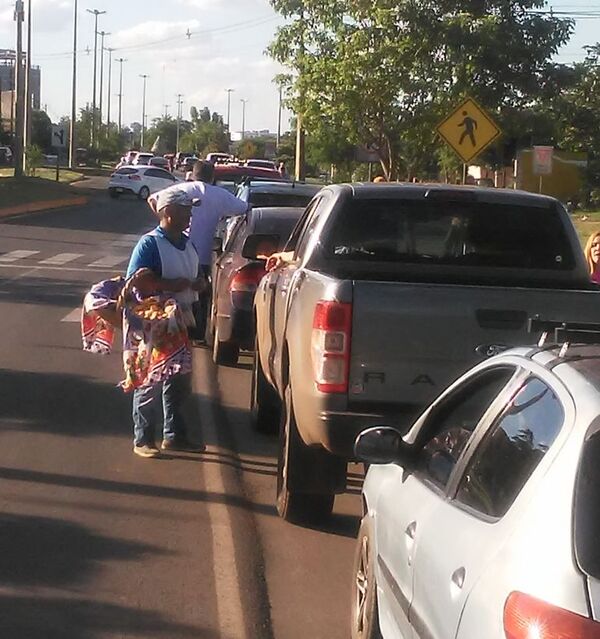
(483, 520)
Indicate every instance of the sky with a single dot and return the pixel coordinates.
(224, 50)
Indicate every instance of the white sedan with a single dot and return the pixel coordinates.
(140, 181)
(483, 521)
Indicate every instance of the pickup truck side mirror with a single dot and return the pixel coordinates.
(217, 245)
(260, 244)
(382, 445)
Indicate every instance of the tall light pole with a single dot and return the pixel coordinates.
(72, 143)
(102, 34)
(120, 61)
(167, 110)
(110, 52)
(27, 124)
(229, 92)
(243, 117)
(279, 116)
(95, 13)
(145, 76)
(19, 120)
(179, 103)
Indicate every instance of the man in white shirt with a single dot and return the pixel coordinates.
(214, 204)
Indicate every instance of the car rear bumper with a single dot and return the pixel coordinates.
(120, 188)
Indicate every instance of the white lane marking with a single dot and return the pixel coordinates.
(124, 243)
(73, 316)
(61, 258)
(13, 256)
(227, 585)
(109, 261)
(65, 269)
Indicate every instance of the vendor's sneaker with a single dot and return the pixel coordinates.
(182, 445)
(146, 450)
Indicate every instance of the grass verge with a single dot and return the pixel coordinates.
(15, 191)
(586, 222)
(65, 175)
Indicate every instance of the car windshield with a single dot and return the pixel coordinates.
(442, 232)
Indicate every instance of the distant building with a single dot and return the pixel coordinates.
(7, 87)
(236, 136)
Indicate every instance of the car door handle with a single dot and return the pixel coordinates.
(458, 577)
(272, 286)
(411, 530)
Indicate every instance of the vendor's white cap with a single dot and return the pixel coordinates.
(174, 196)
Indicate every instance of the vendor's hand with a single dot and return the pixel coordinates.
(199, 285)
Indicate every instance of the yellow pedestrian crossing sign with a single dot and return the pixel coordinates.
(469, 130)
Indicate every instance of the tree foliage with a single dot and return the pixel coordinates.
(384, 72)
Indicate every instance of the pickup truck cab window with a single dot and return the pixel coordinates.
(294, 238)
(512, 449)
(452, 233)
(451, 424)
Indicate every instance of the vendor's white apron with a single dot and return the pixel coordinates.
(178, 263)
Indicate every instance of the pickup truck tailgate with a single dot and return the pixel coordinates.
(410, 341)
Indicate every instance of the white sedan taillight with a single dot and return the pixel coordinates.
(526, 617)
(330, 346)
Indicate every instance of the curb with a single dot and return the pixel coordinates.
(43, 205)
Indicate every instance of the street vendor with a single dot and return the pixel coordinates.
(171, 269)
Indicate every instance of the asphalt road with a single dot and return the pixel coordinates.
(98, 543)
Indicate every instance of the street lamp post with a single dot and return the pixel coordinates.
(179, 103)
(110, 52)
(229, 92)
(20, 103)
(120, 61)
(243, 117)
(102, 34)
(145, 76)
(95, 13)
(72, 143)
(27, 115)
(279, 116)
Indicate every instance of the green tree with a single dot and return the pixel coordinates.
(206, 134)
(383, 72)
(41, 130)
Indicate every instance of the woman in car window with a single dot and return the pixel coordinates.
(592, 256)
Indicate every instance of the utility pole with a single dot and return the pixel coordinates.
(243, 117)
(102, 34)
(279, 117)
(229, 92)
(120, 61)
(145, 76)
(72, 143)
(95, 13)
(167, 110)
(179, 103)
(110, 52)
(19, 87)
(27, 123)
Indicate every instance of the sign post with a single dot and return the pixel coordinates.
(59, 140)
(469, 130)
(542, 162)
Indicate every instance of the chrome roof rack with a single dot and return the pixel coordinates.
(564, 334)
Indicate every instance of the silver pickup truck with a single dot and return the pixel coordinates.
(394, 291)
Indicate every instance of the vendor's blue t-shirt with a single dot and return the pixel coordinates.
(146, 254)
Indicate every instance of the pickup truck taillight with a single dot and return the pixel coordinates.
(526, 617)
(330, 346)
(243, 285)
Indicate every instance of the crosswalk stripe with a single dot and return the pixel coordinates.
(13, 256)
(109, 261)
(61, 258)
(73, 316)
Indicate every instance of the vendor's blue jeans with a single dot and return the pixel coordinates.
(174, 393)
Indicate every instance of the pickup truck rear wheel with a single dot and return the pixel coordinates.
(224, 352)
(265, 407)
(295, 465)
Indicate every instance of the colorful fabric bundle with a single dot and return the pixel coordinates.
(155, 343)
(155, 338)
(97, 334)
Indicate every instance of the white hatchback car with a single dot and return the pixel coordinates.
(483, 520)
(140, 181)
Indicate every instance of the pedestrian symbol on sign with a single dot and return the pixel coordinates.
(59, 136)
(470, 127)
